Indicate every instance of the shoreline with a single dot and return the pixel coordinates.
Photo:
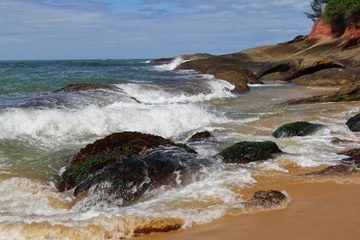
(318, 210)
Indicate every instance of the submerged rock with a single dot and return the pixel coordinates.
(125, 165)
(296, 129)
(333, 170)
(354, 123)
(267, 199)
(246, 152)
(159, 225)
(84, 87)
(201, 136)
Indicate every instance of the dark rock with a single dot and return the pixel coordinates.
(129, 178)
(353, 156)
(84, 87)
(267, 199)
(246, 152)
(200, 136)
(108, 150)
(333, 170)
(345, 94)
(354, 123)
(296, 129)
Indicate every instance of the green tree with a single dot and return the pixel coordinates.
(343, 11)
(317, 7)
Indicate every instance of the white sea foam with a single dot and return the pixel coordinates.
(61, 124)
(170, 66)
(153, 95)
(27, 210)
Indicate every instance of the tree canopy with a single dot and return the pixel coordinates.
(336, 11)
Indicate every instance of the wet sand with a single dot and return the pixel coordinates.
(318, 211)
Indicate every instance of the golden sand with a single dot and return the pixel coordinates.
(320, 209)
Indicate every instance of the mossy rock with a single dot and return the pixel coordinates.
(246, 152)
(354, 123)
(296, 129)
(108, 150)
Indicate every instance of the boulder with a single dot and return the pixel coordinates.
(201, 136)
(354, 123)
(246, 152)
(345, 94)
(296, 129)
(109, 150)
(334, 170)
(130, 177)
(84, 87)
(267, 199)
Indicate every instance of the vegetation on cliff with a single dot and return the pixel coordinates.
(337, 12)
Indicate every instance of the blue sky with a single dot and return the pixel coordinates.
(82, 29)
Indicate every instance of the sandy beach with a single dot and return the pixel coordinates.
(318, 211)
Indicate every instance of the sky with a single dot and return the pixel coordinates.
(121, 29)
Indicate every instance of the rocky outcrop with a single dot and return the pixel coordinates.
(246, 152)
(228, 68)
(354, 123)
(321, 28)
(201, 136)
(267, 199)
(345, 94)
(186, 57)
(123, 160)
(340, 169)
(84, 87)
(296, 129)
(302, 71)
(351, 36)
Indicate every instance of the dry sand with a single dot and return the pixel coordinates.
(318, 211)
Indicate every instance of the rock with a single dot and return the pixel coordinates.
(201, 136)
(333, 170)
(301, 71)
(267, 199)
(345, 94)
(329, 77)
(184, 56)
(83, 87)
(231, 68)
(109, 150)
(321, 28)
(353, 156)
(129, 178)
(158, 225)
(239, 80)
(246, 152)
(296, 129)
(354, 123)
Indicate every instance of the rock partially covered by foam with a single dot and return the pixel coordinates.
(246, 152)
(296, 129)
(84, 87)
(124, 165)
(201, 136)
(354, 123)
(267, 199)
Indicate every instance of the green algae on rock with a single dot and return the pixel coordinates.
(296, 129)
(246, 152)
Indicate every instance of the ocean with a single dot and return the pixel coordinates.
(41, 129)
